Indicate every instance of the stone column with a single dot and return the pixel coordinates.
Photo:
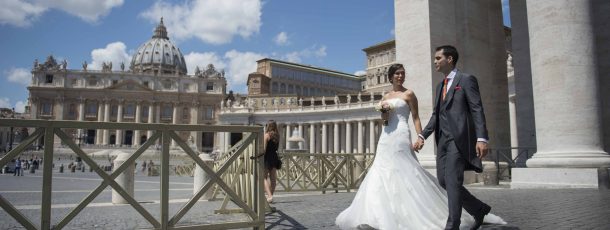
(151, 118)
(227, 141)
(81, 117)
(106, 139)
(312, 138)
(34, 107)
(99, 134)
(336, 137)
(175, 117)
(372, 142)
(119, 118)
(348, 137)
(567, 100)
(524, 101)
(514, 140)
(360, 137)
(302, 135)
(475, 29)
(324, 137)
(135, 140)
(288, 133)
(195, 120)
(59, 108)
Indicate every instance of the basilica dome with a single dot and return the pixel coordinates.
(159, 55)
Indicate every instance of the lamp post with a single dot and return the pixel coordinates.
(10, 144)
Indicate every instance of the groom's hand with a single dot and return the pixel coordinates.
(419, 144)
(482, 149)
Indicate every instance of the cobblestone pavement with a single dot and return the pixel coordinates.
(522, 209)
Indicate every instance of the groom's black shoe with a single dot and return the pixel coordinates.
(478, 219)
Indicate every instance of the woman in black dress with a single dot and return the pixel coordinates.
(272, 161)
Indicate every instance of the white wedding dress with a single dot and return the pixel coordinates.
(397, 192)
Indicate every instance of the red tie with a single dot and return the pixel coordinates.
(445, 87)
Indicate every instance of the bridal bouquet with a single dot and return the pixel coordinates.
(384, 108)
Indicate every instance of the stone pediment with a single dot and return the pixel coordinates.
(130, 85)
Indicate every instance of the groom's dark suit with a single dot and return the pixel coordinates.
(457, 122)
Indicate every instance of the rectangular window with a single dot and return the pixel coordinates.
(47, 109)
(129, 111)
(49, 79)
(91, 110)
(145, 83)
(185, 113)
(186, 87)
(74, 82)
(209, 113)
(209, 86)
(166, 113)
(92, 82)
(114, 82)
(114, 110)
(72, 110)
(144, 111)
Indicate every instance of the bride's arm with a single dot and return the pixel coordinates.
(412, 101)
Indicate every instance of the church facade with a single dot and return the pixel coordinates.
(155, 88)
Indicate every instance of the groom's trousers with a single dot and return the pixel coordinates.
(450, 173)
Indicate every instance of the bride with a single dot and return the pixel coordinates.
(397, 192)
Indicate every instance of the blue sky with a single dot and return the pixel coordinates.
(231, 34)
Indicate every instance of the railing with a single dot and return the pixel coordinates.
(515, 157)
(322, 172)
(245, 194)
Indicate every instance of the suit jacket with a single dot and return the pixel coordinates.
(463, 115)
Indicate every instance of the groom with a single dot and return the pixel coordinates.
(458, 123)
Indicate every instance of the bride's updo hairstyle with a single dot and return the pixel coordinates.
(272, 130)
(393, 69)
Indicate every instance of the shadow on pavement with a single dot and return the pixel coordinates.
(498, 227)
(279, 219)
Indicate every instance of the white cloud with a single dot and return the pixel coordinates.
(89, 11)
(281, 39)
(20, 106)
(114, 52)
(19, 13)
(202, 60)
(211, 21)
(23, 13)
(19, 75)
(297, 56)
(360, 73)
(5, 102)
(240, 65)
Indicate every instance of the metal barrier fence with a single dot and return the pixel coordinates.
(247, 194)
(322, 172)
(515, 157)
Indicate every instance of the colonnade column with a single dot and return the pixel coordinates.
(286, 146)
(175, 119)
(348, 137)
(336, 138)
(360, 144)
(100, 117)
(567, 102)
(81, 117)
(312, 138)
(119, 118)
(196, 135)
(302, 135)
(59, 108)
(324, 138)
(135, 140)
(106, 138)
(372, 143)
(151, 117)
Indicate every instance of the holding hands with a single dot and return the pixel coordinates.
(419, 144)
